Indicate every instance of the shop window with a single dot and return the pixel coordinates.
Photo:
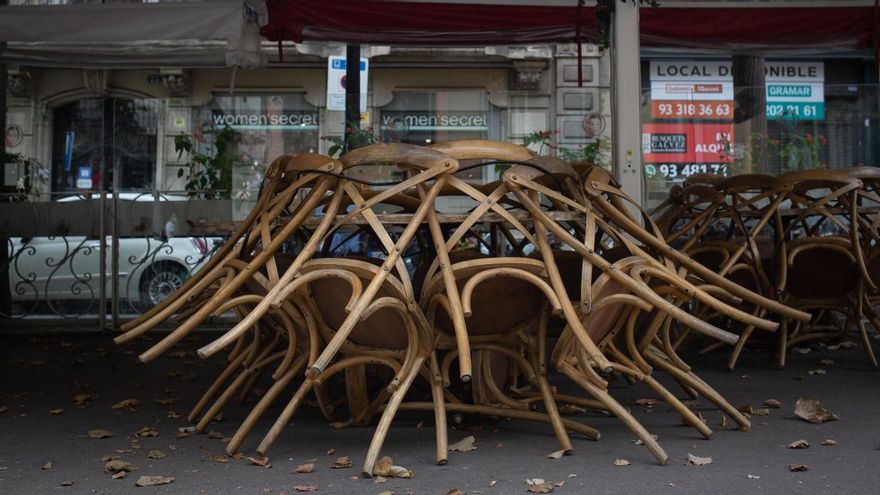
(102, 143)
(426, 118)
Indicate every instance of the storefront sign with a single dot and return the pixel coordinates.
(291, 120)
(694, 90)
(464, 121)
(686, 143)
(336, 83)
(795, 90)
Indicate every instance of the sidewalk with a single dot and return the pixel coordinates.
(40, 376)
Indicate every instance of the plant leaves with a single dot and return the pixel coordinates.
(810, 410)
(153, 480)
(464, 445)
(694, 460)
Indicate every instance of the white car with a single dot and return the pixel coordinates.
(150, 268)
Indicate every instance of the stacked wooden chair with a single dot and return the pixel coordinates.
(550, 247)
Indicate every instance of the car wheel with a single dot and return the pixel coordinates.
(160, 281)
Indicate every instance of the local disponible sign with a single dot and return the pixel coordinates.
(693, 90)
(795, 90)
(336, 83)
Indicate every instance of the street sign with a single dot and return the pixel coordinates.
(336, 83)
(84, 177)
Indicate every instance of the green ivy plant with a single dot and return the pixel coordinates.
(354, 137)
(210, 175)
(29, 184)
(594, 152)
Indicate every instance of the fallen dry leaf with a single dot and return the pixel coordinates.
(166, 402)
(305, 488)
(559, 483)
(819, 372)
(146, 432)
(156, 454)
(131, 404)
(761, 411)
(3, 409)
(259, 461)
(305, 468)
(119, 475)
(694, 460)
(646, 402)
(341, 462)
(798, 467)
(153, 480)
(82, 400)
(538, 485)
(66, 483)
(799, 444)
(46, 466)
(380, 479)
(826, 362)
(118, 465)
(640, 442)
(723, 422)
(330, 451)
(338, 425)
(98, 434)
(214, 435)
(773, 403)
(810, 410)
(828, 443)
(55, 412)
(556, 455)
(464, 445)
(385, 467)
(386, 492)
(621, 462)
(455, 491)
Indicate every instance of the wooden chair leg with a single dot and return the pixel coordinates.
(215, 386)
(268, 398)
(687, 415)
(439, 411)
(221, 401)
(356, 392)
(866, 341)
(555, 418)
(783, 345)
(285, 416)
(704, 389)
(618, 410)
(737, 350)
(388, 416)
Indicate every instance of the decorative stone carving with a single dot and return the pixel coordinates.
(529, 74)
(95, 81)
(177, 84)
(18, 83)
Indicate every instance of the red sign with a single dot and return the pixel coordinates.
(689, 109)
(686, 143)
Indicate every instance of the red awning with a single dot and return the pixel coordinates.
(773, 27)
(428, 23)
(485, 22)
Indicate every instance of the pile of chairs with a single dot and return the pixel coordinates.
(407, 303)
(808, 239)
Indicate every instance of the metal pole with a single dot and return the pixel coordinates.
(626, 97)
(5, 293)
(352, 91)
